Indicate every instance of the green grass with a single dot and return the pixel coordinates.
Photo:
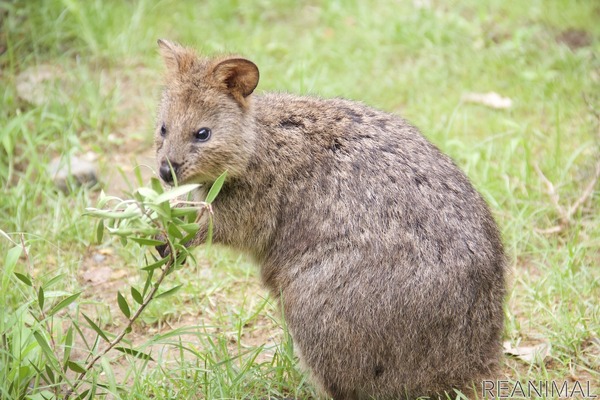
(417, 62)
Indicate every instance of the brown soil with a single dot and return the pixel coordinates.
(575, 38)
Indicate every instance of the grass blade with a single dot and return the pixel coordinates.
(135, 353)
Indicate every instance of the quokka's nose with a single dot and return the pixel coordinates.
(167, 170)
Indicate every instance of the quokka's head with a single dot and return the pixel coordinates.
(204, 125)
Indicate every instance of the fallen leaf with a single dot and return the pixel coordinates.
(119, 274)
(107, 251)
(490, 99)
(529, 354)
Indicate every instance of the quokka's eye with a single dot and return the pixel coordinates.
(202, 134)
(163, 130)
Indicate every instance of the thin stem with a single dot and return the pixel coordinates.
(164, 272)
(165, 269)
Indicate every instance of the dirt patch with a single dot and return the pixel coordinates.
(574, 38)
(102, 274)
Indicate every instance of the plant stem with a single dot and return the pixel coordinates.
(165, 269)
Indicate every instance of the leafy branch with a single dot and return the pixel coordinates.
(153, 217)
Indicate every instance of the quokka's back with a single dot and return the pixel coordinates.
(389, 264)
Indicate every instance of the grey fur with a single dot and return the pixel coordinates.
(388, 262)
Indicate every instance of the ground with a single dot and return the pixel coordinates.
(509, 89)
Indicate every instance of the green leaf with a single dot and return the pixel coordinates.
(169, 292)
(156, 185)
(148, 193)
(137, 196)
(137, 296)
(95, 327)
(69, 337)
(123, 305)
(52, 294)
(64, 303)
(216, 188)
(188, 237)
(157, 264)
(135, 353)
(41, 298)
(24, 278)
(127, 213)
(73, 366)
(184, 211)
(50, 374)
(103, 201)
(147, 242)
(52, 281)
(44, 346)
(190, 228)
(176, 192)
(182, 253)
(173, 231)
(138, 175)
(163, 210)
(84, 394)
(100, 231)
(83, 338)
(148, 282)
(68, 344)
(24, 371)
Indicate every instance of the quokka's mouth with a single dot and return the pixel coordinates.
(194, 179)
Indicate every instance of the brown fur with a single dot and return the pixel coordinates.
(389, 265)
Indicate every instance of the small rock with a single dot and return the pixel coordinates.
(35, 84)
(72, 171)
(99, 258)
(97, 276)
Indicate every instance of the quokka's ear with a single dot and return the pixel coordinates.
(177, 58)
(239, 76)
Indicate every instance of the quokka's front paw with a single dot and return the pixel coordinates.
(163, 249)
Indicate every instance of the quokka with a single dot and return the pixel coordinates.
(388, 263)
